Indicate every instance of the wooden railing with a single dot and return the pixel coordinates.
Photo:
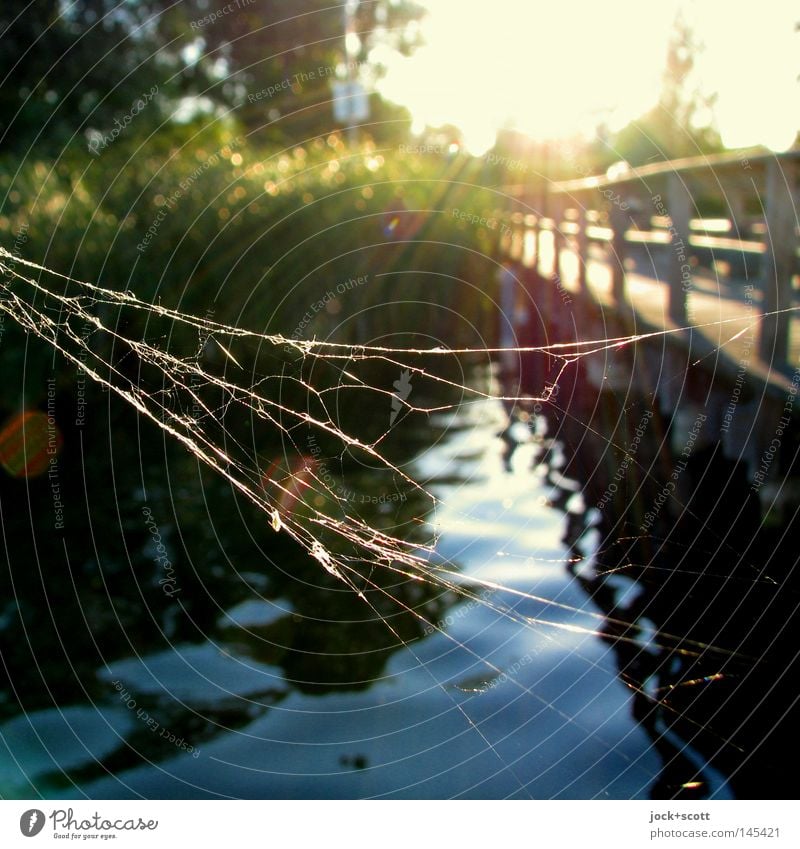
(757, 202)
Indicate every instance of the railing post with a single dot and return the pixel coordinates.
(558, 236)
(778, 262)
(516, 237)
(619, 224)
(736, 212)
(679, 274)
(504, 235)
(541, 230)
(583, 247)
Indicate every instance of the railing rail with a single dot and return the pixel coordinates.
(658, 205)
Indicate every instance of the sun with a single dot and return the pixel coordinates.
(560, 70)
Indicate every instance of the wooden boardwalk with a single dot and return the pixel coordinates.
(723, 317)
(630, 244)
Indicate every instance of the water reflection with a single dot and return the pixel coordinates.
(684, 587)
(585, 660)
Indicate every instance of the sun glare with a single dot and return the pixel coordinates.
(561, 70)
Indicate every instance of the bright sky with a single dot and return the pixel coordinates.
(557, 68)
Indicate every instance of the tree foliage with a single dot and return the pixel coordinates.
(679, 124)
(72, 68)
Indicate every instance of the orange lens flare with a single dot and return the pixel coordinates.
(288, 481)
(28, 442)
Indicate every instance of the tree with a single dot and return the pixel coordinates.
(679, 123)
(72, 68)
(69, 68)
(277, 62)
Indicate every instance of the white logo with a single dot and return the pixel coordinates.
(403, 387)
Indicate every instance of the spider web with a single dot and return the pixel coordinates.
(57, 318)
(194, 400)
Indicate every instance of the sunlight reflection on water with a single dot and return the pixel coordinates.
(490, 708)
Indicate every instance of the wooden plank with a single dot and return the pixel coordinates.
(679, 275)
(729, 163)
(558, 236)
(619, 224)
(583, 248)
(778, 262)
